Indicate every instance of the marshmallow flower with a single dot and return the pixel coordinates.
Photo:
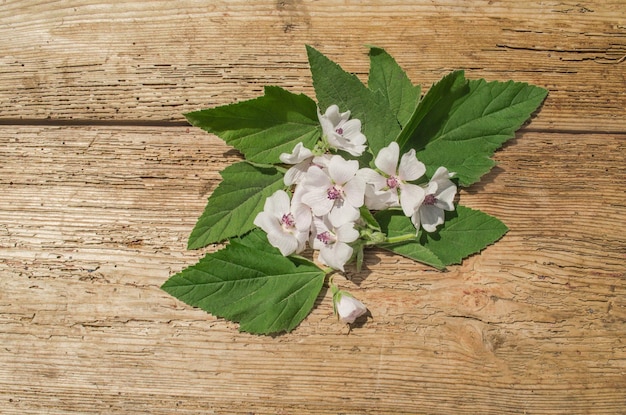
(391, 188)
(341, 132)
(332, 242)
(286, 223)
(329, 192)
(439, 197)
(337, 191)
(302, 158)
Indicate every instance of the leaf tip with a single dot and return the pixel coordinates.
(374, 49)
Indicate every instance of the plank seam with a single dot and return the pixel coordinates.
(37, 122)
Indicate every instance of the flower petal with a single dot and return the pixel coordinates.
(347, 233)
(341, 170)
(317, 199)
(441, 173)
(371, 176)
(336, 255)
(410, 167)
(335, 140)
(267, 222)
(355, 150)
(318, 226)
(296, 173)
(348, 308)
(317, 178)
(327, 125)
(302, 216)
(411, 197)
(334, 116)
(351, 128)
(278, 203)
(285, 242)
(298, 154)
(342, 214)
(387, 159)
(380, 200)
(430, 217)
(354, 191)
(445, 197)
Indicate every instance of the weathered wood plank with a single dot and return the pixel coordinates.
(94, 219)
(137, 60)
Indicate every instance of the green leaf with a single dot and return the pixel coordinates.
(264, 127)
(395, 224)
(388, 77)
(368, 218)
(234, 204)
(432, 108)
(250, 282)
(465, 127)
(465, 232)
(335, 86)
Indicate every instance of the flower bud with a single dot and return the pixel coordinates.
(347, 307)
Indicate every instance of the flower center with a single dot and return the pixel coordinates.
(339, 131)
(287, 220)
(326, 238)
(393, 182)
(334, 193)
(430, 199)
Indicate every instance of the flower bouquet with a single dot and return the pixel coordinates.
(375, 165)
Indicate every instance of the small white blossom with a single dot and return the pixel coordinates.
(332, 242)
(391, 188)
(287, 224)
(378, 200)
(347, 308)
(302, 158)
(341, 132)
(440, 193)
(336, 191)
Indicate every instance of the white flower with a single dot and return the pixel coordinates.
(347, 307)
(379, 200)
(287, 224)
(392, 188)
(302, 158)
(336, 191)
(440, 194)
(332, 242)
(342, 133)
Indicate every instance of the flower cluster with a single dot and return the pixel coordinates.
(328, 191)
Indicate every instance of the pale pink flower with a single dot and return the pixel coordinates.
(332, 242)
(302, 158)
(391, 187)
(341, 132)
(336, 191)
(287, 224)
(440, 193)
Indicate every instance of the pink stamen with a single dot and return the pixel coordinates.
(288, 220)
(325, 238)
(339, 131)
(430, 199)
(334, 193)
(393, 182)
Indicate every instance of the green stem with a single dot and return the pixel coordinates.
(328, 270)
(400, 238)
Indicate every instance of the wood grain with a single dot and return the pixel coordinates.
(138, 60)
(96, 218)
(102, 182)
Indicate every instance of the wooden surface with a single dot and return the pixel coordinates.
(101, 182)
